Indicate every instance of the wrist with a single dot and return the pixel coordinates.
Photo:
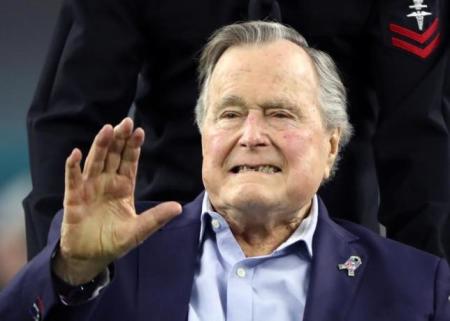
(75, 295)
(75, 271)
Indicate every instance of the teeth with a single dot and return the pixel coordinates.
(266, 169)
(263, 169)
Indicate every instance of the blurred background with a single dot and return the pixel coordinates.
(26, 28)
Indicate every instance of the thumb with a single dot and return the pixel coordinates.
(154, 218)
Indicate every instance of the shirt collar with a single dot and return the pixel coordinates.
(304, 232)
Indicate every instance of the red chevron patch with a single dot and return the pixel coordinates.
(421, 52)
(420, 38)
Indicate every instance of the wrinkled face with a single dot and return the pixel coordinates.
(264, 144)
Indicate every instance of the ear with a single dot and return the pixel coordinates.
(333, 141)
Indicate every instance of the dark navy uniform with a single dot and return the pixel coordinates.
(107, 54)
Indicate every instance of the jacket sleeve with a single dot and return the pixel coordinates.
(30, 295)
(89, 79)
(411, 143)
(33, 293)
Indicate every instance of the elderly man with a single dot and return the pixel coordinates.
(258, 244)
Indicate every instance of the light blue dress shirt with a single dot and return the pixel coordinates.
(229, 286)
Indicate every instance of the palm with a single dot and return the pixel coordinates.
(101, 207)
(100, 221)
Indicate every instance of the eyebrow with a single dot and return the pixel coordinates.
(231, 100)
(280, 103)
(276, 103)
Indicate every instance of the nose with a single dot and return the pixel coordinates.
(254, 131)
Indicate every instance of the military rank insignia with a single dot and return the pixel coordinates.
(418, 30)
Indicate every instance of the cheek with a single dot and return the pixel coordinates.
(303, 151)
(215, 147)
(296, 145)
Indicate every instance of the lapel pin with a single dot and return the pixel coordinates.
(351, 265)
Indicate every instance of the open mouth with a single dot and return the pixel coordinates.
(267, 169)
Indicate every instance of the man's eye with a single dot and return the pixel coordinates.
(280, 114)
(229, 115)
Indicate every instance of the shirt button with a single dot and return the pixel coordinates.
(215, 223)
(241, 272)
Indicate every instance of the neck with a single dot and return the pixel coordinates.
(260, 234)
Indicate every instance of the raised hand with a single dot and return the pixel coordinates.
(100, 223)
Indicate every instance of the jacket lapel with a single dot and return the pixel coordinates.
(331, 290)
(166, 267)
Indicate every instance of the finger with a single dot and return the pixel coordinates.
(122, 133)
(130, 155)
(73, 176)
(95, 161)
(153, 219)
(73, 170)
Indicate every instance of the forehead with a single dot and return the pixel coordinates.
(281, 63)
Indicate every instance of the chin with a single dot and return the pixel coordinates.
(252, 197)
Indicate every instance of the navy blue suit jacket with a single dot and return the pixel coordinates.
(153, 281)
